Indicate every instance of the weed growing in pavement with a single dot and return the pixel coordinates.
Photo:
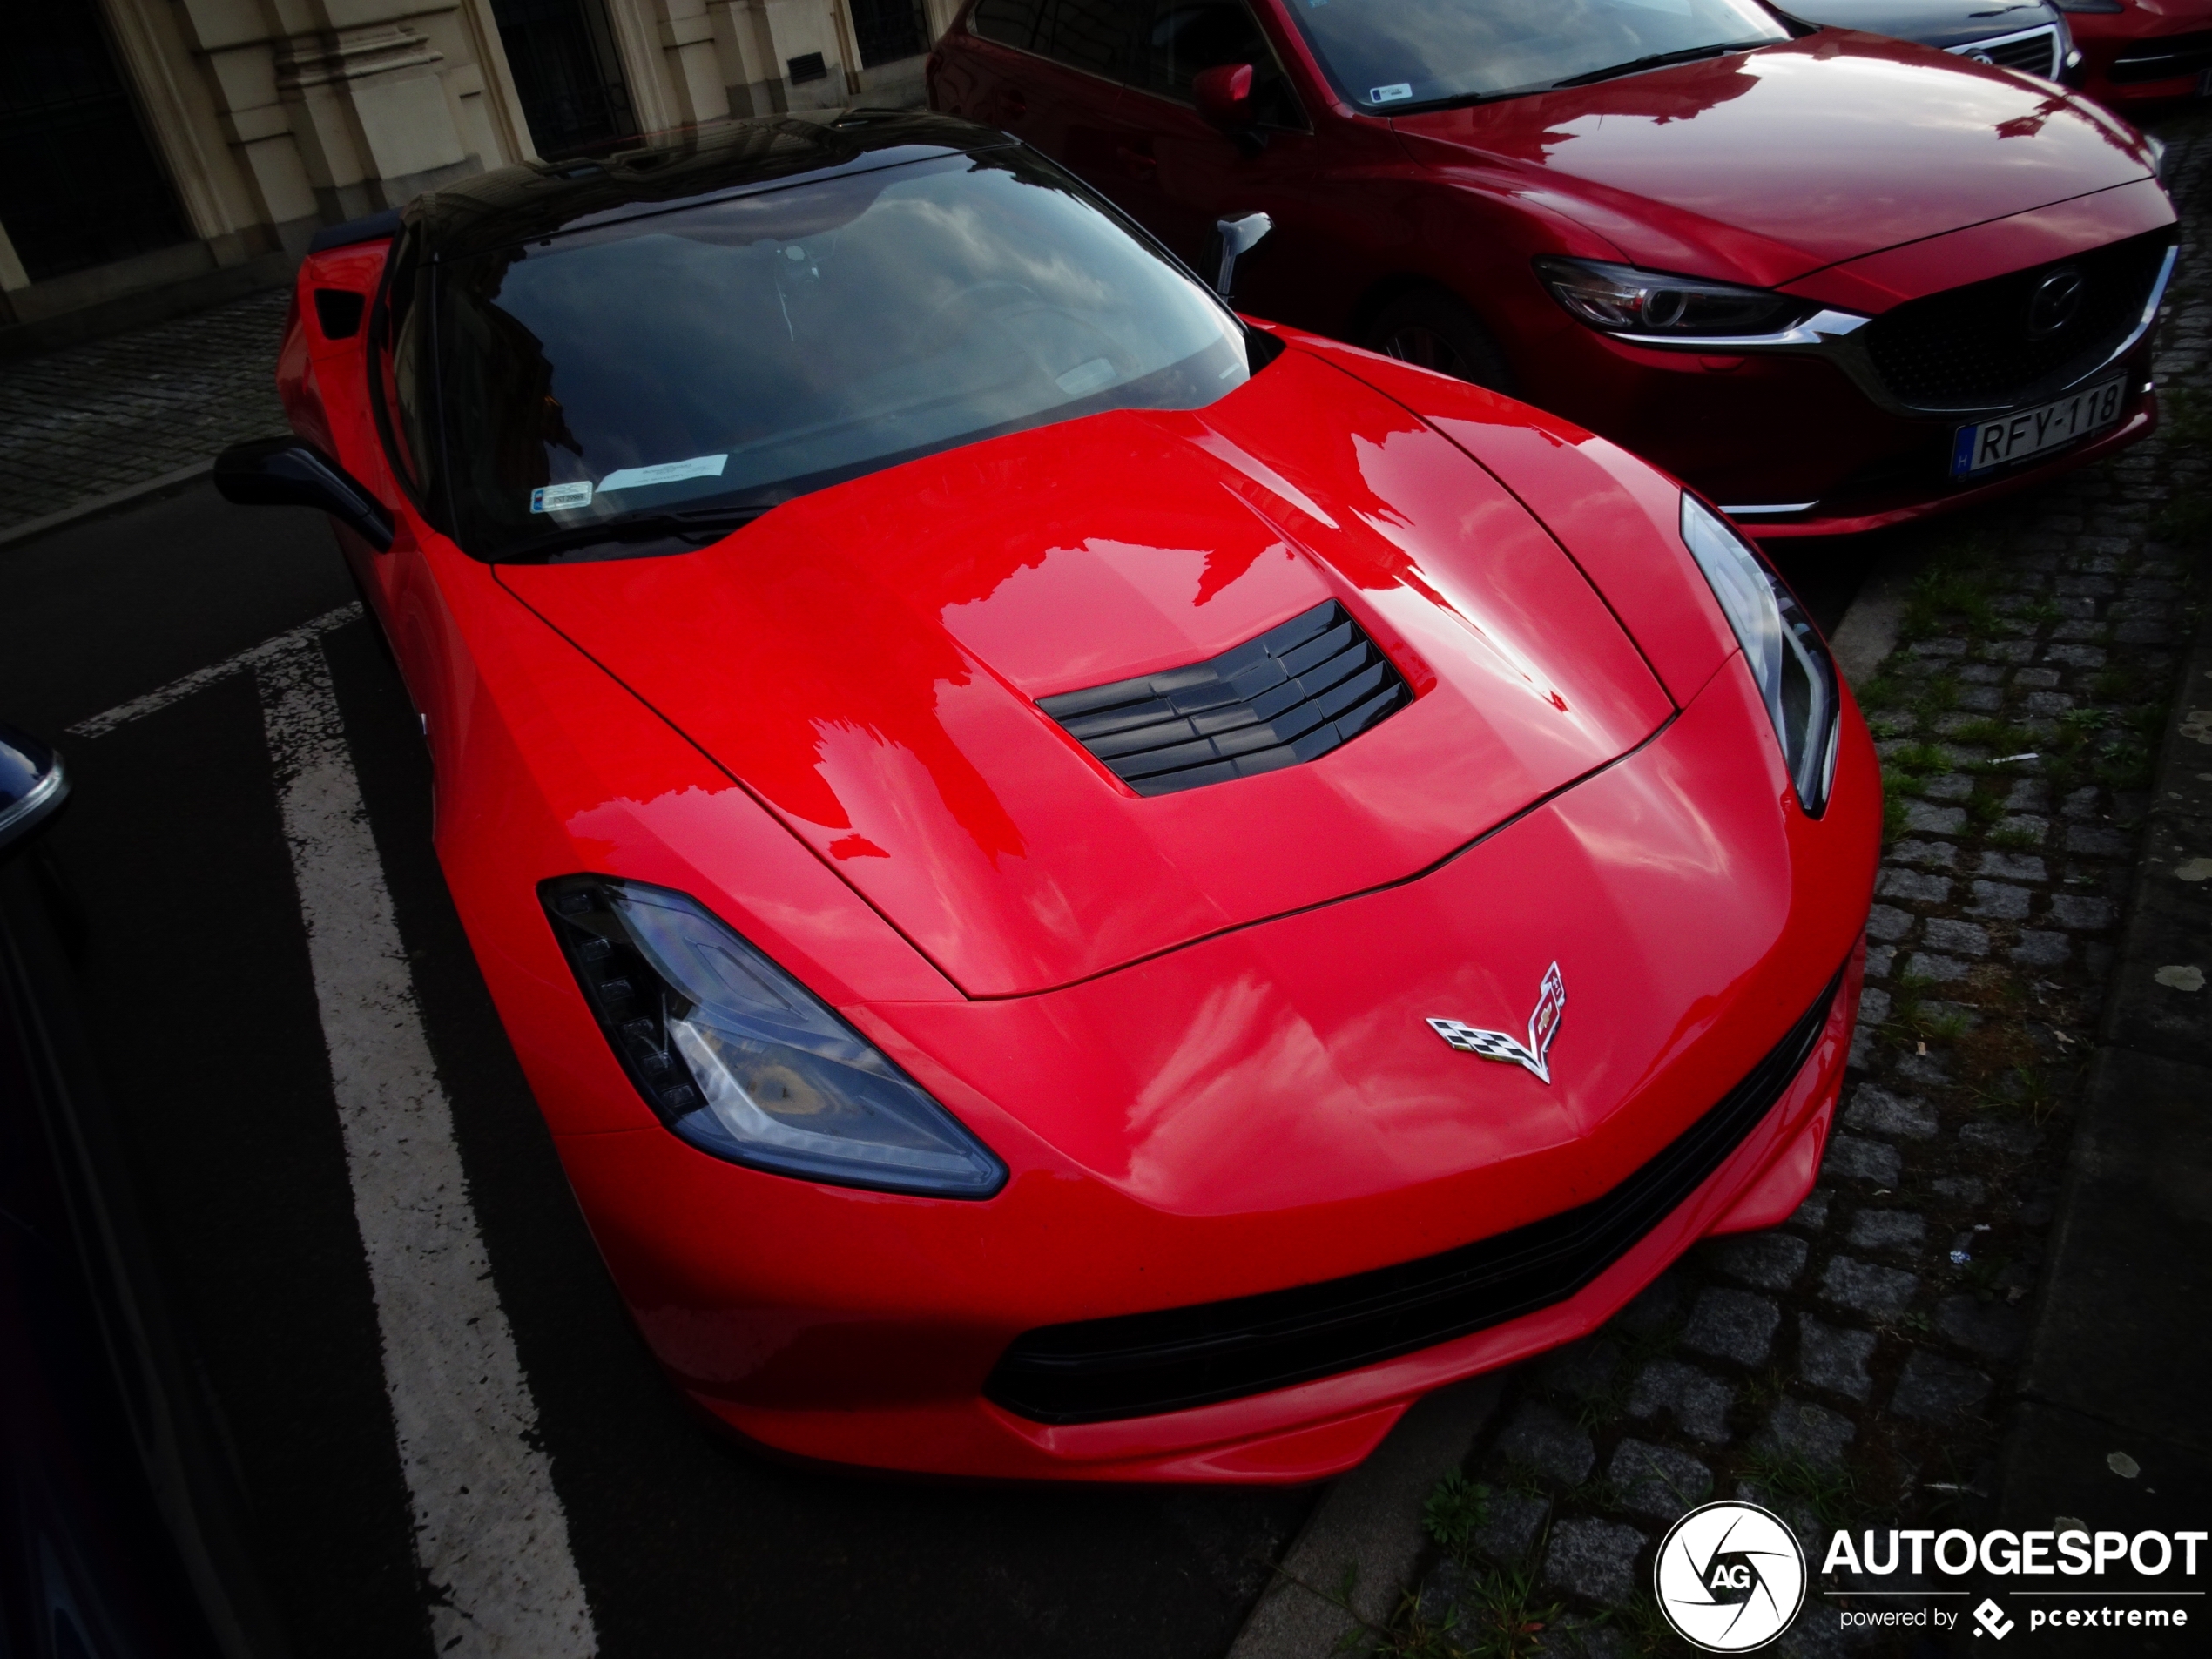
(1457, 1509)
(1504, 1619)
(2188, 420)
(1954, 588)
(1643, 1627)
(1411, 1634)
(1832, 1492)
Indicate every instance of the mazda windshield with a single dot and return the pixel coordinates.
(636, 386)
(1386, 56)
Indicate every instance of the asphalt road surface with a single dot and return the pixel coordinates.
(184, 847)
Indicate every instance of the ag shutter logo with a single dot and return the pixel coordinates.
(1729, 1577)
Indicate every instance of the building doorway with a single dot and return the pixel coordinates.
(80, 186)
(885, 30)
(568, 77)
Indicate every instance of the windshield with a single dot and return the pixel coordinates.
(1387, 55)
(669, 375)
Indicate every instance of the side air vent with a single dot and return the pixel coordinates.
(1298, 690)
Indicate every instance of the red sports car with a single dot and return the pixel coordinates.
(2139, 54)
(1832, 281)
(1088, 888)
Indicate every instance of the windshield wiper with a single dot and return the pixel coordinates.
(698, 528)
(1659, 60)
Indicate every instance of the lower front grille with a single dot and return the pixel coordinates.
(1979, 346)
(1138, 1365)
(2163, 58)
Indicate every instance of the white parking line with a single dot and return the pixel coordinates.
(200, 678)
(490, 1534)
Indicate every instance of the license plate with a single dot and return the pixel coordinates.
(2016, 438)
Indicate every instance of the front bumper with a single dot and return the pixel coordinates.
(862, 1328)
(2131, 62)
(1846, 421)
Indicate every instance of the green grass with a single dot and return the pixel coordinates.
(1954, 592)
(1456, 1509)
(1831, 1493)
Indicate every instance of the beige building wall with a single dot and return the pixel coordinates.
(275, 117)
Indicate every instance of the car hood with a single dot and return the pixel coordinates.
(1765, 167)
(867, 661)
(1933, 22)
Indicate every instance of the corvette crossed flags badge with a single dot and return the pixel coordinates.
(1543, 1025)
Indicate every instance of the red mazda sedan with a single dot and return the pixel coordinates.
(2140, 54)
(1088, 889)
(1832, 281)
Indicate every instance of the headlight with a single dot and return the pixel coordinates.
(1623, 299)
(744, 1062)
(1787, 659)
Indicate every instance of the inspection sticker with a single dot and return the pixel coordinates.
(666, 473)
(556, 498)
(1390, 94)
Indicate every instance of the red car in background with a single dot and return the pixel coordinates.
(1832, 281)
(1087, 889)
(2140, 54)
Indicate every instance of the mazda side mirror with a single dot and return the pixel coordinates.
(291, 472)
(31, 786)
(1223, 95)
(1237, 237)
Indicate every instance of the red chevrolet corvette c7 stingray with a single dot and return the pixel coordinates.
(1088, 888)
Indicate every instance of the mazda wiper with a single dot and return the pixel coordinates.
(1660, 60)
(697, 527)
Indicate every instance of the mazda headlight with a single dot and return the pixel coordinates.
(744, 1062)
(1787, 659)
(1622, 299)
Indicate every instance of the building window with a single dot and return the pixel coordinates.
(78, 182)
(567, 76)
(885, 30)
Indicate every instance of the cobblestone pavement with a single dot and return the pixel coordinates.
(1854, 1364)
(92, 419)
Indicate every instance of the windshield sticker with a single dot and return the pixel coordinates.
(667, 473)
(556, 498)
(1086, 377)
(1390, 94)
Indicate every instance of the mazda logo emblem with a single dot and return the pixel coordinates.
(2056, 302)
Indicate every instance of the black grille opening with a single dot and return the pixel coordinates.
(1972, 348)
(2163, 58)
(1301, 689)
(2035, 54)
(1137, 1364)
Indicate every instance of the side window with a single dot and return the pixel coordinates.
(1012, 23)
(1094, 35)
(400, 368)
(1184, 37)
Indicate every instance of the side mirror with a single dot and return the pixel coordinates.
(1238, 236)
(291, 472)
(1223, 95)
(31, 786)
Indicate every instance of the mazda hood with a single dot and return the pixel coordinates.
(1766, 165)
(869, 662)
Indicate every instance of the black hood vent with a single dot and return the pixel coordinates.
(1301, 689)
